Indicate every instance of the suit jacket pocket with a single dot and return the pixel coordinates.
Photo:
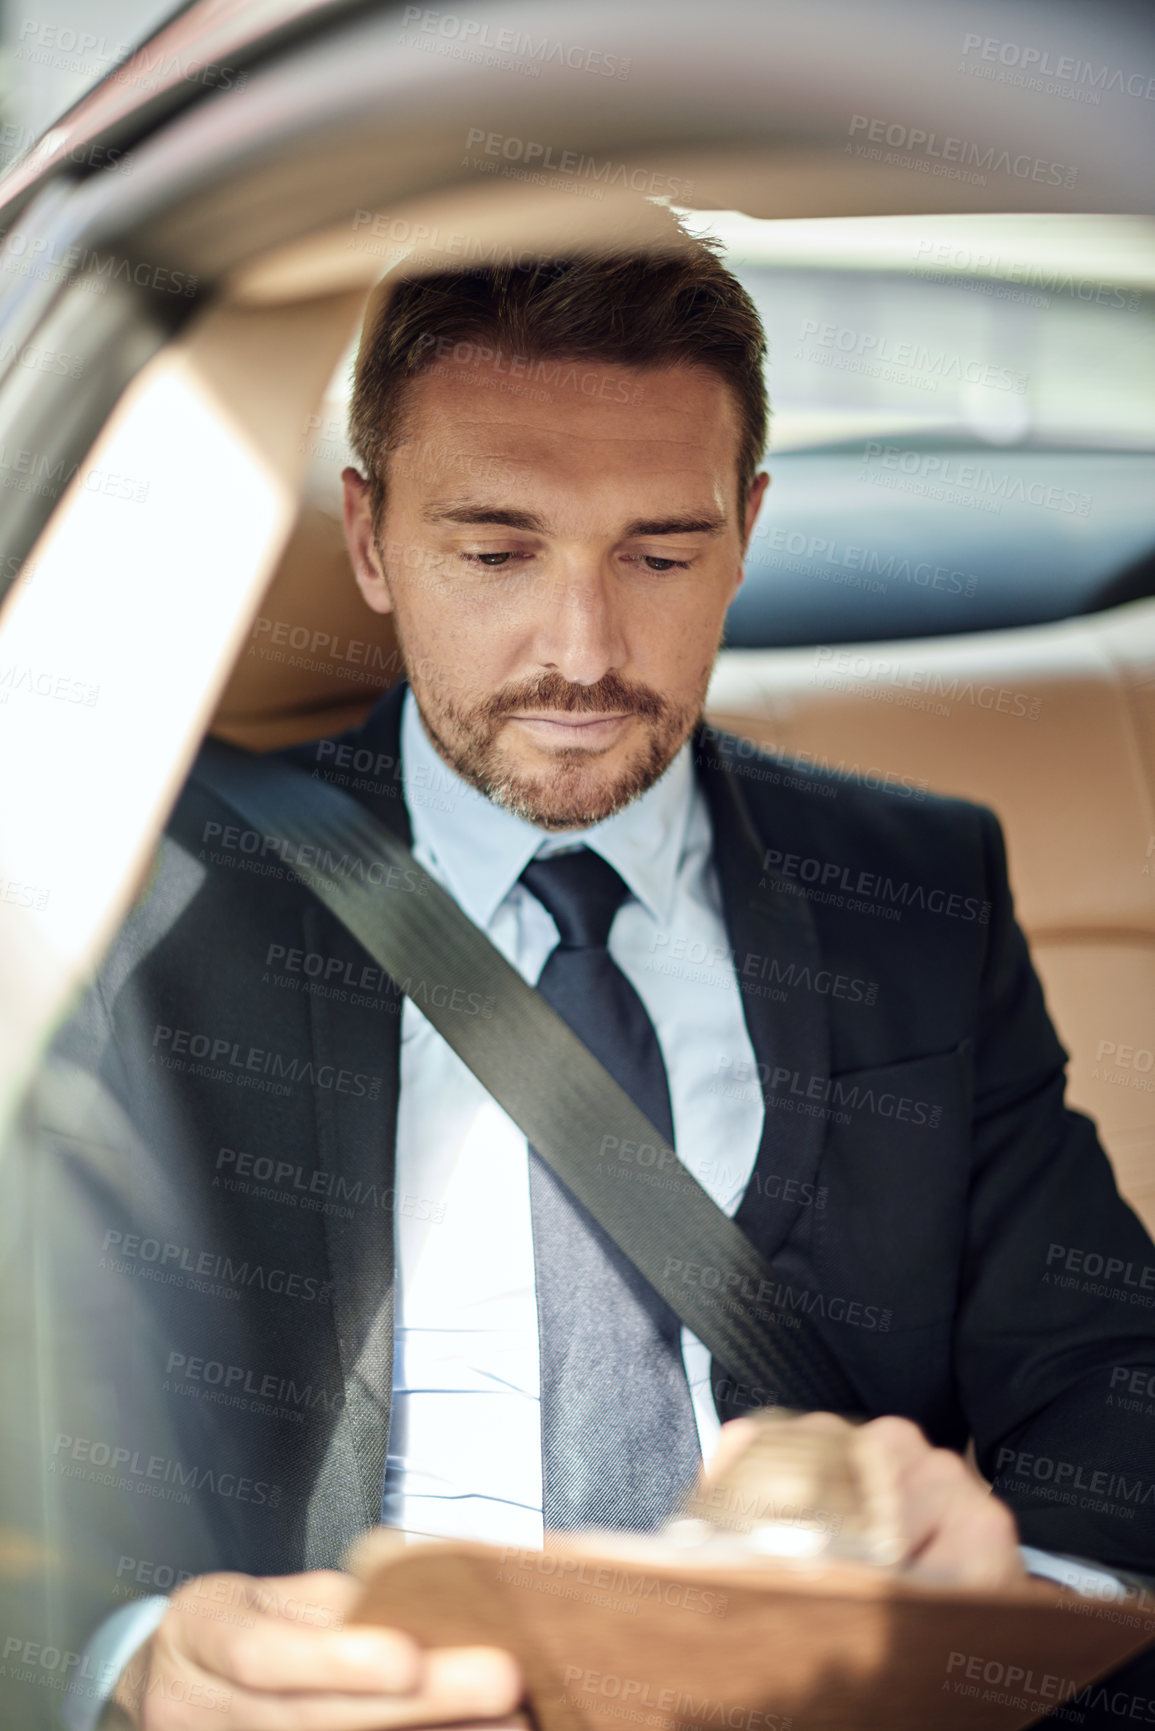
(894, 1181)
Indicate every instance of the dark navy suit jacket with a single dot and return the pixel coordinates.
(215, 1151)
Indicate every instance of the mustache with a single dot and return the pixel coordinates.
(611, 693)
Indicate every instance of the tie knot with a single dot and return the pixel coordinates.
(582, 892)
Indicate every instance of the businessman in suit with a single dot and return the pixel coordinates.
(351, 1285)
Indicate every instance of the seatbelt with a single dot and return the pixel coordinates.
(567, 1104)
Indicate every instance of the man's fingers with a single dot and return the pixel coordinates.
(737, 1434)
(950, 1526)
(954, 1527)
(462, 1686)
(980, 1552)
(266, 1652)
(328, 1593)
(469, 1682)
(898, 1439)
(734, 1438)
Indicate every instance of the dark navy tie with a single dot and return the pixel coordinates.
(619, 1441)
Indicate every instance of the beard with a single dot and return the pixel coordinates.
(574, 790)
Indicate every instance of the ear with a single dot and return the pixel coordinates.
(753, 506)
(360, 540)
(753, 503)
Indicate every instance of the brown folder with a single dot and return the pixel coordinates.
(615, 1631)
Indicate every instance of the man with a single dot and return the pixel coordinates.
(560, 481)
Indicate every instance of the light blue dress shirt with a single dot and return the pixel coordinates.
(465, 1442)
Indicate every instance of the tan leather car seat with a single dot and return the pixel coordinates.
(1053, 726)
(317, 657)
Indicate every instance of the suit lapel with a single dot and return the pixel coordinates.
(775, 945)
(356, 1052)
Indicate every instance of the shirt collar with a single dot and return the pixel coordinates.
(480, 850)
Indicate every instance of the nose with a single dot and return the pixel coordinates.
(581, 629)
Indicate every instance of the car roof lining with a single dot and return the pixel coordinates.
(349, 122)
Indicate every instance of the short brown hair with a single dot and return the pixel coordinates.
(674, 302)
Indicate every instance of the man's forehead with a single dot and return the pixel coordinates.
(572, 412)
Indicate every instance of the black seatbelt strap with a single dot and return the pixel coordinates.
(583, 1124)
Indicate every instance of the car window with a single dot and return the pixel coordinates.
(962, 423)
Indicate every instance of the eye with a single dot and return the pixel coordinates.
(491, 561)
(653, 562)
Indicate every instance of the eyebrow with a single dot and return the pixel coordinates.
(479, 514)
(683, 525)
(500, 517)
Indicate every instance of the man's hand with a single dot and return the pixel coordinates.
(952, 1529)
(275, 1655)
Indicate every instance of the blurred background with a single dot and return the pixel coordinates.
(1029, 340)
(40, 78)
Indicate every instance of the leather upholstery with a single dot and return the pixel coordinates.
(1054, 727)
